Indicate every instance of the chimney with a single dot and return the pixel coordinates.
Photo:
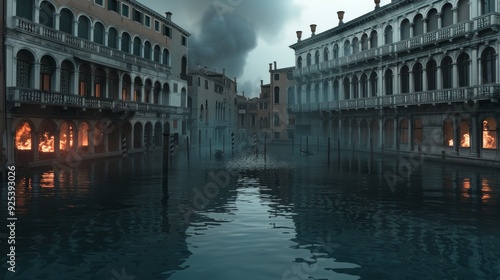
(313, 29)
(377, 4)
(168, 15)
(341, 17)
(299, 35)
(223, 71)
(270, 67)
(261, 82)
(275, 65)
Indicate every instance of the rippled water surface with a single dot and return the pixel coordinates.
(289, 217)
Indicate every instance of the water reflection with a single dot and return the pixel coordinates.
(288, 217)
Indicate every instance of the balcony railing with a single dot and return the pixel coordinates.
(92, 47)
(33, 96)
(486, 92)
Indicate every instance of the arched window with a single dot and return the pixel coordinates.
(335, 51)
(276, 95)
(99, 33)
(137, 46)
(373, 84)
(47, 73)
(488, 63)
(355, 87)
(448, 133)
(84, 82)
(364, 42)
(66, 77)
(418, 77)
(418, 131)
(308, 94)
(464, 134)
(463, 66)
(166, 57)
(373, 39)
(403, 131)
(125, 44)
(276, 119)
(389, 88)
(325, 92)
(463, 10)
(316, 57)
(325, 54)
(490, 133)
(184, 65)
(24, 69)
(336, 90)
(309, 59)
(147, 50)
(447, 15)
(347, 88)
(388, 35)
(431, 70)
(156, 54)
(299, 95)
(113, 38)
(46, 16)
(347, 48)
(447, 72)
(66, 21)
(299, 62)
(24, 9)
(316, 93)
(405, 29)
(355, 45)
(99, 82)
(84, 27)
(364, 86)
(418, 25)
(432, 20)
(405, 79)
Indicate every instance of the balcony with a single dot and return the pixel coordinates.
(58, 36)
(33, 96)
(487, 92)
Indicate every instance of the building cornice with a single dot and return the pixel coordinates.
(364, 19)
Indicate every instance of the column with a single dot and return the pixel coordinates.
(380, 82)
(411, 82)
(132, 86)
(57, 139)
(75, 28)
(455, 14)
(439, 77)
(119, 43)
(11, 72)
(425, 20)
(396, 134)
(35, 136)
(456, 134)
(36, 77)
(474, 73)
(57, 78)
(411, 141)
(57, 21)
(341, 90)
(454, 72)
(36, 14)
(475, 137)
(425, 85)
(90, 134)
(106, 86)
(440, 20)
(381, 131)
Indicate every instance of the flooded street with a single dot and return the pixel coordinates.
(288, 217)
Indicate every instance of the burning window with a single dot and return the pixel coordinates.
(448, 133)
(464, 134)
(23, 137)
(66, 137)
(489, 133)
(46, 144)
(83, 135)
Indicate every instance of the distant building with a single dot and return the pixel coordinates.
(282, 87)
(214, 108)
(86, 79)
(409, 75)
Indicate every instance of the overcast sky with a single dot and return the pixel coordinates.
(244, 36)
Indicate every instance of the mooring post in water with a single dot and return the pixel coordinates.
(187, 147)
(210, 147)
(265, 148)
(166, 156)
(199, 143)
(328, 157)
(232, 144)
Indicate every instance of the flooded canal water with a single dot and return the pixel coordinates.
(291, 217)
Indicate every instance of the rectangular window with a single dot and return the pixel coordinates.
(276, 77)
(206, 84)
(242, 120)
(184, 41)
(113, 5)
(137, 16)
(166, 31)
(147, 21)
(157, 26)
(99, 2)
(125, 10)
(176, 86)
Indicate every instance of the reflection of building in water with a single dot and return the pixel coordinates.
(82, 86)
(406, 75)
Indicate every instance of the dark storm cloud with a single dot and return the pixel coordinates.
(225, 31)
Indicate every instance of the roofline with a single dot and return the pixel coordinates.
(159, 16)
